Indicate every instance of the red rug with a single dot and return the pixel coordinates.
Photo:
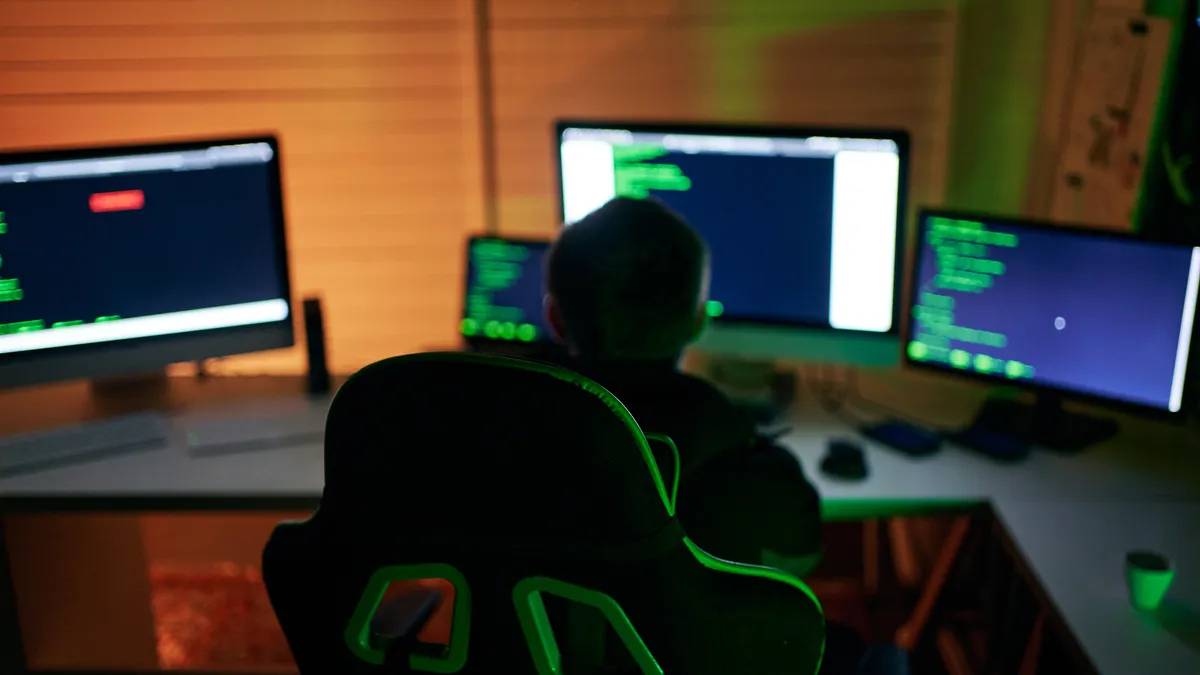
(216, 617)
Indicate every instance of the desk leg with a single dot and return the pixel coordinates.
(910, 633)
(1033, 651)
(82, 590)
(12, 652)
(871, 540)
(996, 575)
(1004, 638)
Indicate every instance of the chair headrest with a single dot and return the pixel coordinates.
(466, 445)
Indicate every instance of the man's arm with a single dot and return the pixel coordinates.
(757, 508)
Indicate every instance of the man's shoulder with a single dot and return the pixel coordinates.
(694, 413)
(668, 389)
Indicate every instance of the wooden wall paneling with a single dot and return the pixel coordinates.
(882, 63)
(887, 70)
(373, 99)
(1009, 53)
(376, 104)
(82, 594)
(1065, 23)
(237, 15)
(556, 59)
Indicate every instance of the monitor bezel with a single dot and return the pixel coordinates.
(1190, 393)
(150, 354)
(900, 137)
(483, 339)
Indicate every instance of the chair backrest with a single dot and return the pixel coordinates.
(516, 482)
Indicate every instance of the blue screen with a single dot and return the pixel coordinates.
(505, 291)
(767, 221)
(803, 230)
(200, 240)
(161, 250)
(1070, 309)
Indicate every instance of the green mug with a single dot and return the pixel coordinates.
(1148, 576)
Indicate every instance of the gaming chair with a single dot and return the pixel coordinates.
(533, 492)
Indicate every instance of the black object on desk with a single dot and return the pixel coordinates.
(906, 438)
(1042, 423)
(314, 339)
(1008, 430)
(844, 459)
(998, 445)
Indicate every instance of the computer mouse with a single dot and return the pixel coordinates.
(844, 459)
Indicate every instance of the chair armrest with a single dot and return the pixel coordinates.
(400, 619)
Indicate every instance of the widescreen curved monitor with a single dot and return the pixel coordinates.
(122, 260)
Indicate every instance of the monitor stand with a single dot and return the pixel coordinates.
(759, 388)
(1043, 423)
(132, 393)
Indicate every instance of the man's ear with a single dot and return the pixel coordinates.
(554, 319)
(703, 320)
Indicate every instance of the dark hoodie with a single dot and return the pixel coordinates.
(741, 497)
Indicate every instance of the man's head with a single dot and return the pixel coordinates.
(629, 281)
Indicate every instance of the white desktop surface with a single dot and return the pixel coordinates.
(1073, 518)
(290, 470)
(1077, 551)
(1148, 468)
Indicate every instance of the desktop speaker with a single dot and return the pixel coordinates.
(314, 340)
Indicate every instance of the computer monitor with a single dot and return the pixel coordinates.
(121, 260)
(503, 293)
(803, 225)
(1062, 311)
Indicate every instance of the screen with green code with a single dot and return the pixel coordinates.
(504, 291)
(1081, 311)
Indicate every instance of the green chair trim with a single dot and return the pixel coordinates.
(666, 440)
(539, 634)
(358, 630)
(724, 566)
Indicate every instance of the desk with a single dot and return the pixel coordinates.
(1071, 518)
(1072, 521)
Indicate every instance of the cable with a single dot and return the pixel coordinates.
(831, 397)
(841, 398)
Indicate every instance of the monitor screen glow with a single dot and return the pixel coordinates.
(1089, 313)
(504, 291)
(804, 228)
(105, 249)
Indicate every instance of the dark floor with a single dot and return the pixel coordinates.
(217, 616)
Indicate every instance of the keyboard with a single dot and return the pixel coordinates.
(90, 441)
(266, 430)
